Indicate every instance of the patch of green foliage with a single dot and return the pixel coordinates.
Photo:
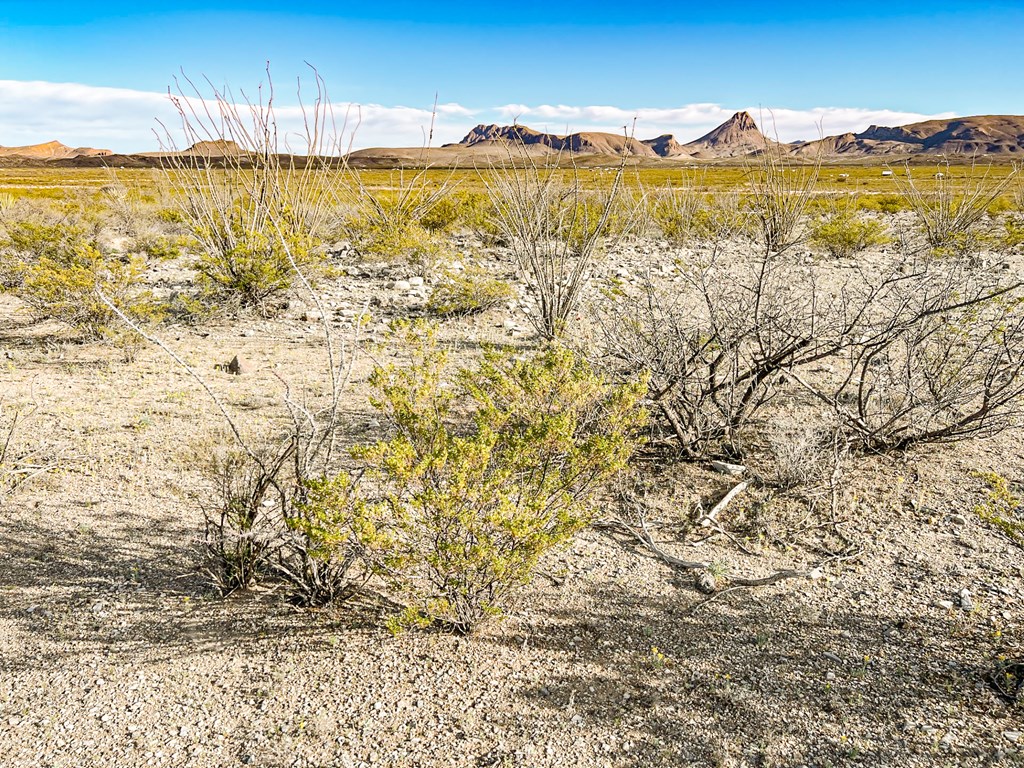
(65, 278)
(843, 232)
(489, 467)
(253, 265)
(458, 209)
(1001, 507)
(889, 203)
(467, 292)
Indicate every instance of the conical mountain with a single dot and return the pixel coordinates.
(739, 135)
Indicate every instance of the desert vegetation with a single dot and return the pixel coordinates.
(637, 427)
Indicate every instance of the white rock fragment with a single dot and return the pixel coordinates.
(725, 468)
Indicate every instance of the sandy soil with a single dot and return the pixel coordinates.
(114, 651)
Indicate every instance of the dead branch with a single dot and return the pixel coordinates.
(707, 520)
(643, 535)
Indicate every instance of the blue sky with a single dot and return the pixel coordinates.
(95, 73)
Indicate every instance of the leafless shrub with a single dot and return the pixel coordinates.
(780, 190)
(17, 465)
(1017, 188)
(952, 211)
(716, 344)
(942, 361)
(928, 352)
(243, 534)
(123, 204)
(388, 222)
(798, 450)
(555, 229)
(675, 211)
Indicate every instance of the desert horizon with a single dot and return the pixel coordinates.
(998, 137)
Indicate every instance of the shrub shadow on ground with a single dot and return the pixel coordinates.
(760, 678)
(141, 587)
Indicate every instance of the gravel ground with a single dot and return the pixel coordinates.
(115, 652)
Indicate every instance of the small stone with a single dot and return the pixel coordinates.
(832, 657)
(966, 603)
(946, 604)
(237, 366)
(509, 324)
(416, 282)
(958, 520)
(705, 582)
(1013, 736)
(815, 574)
(830, 675)
(401, 286)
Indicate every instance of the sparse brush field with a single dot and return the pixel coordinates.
(327, 467)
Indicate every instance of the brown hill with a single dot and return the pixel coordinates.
(848, 145)
(219, 148)
(52, 150)
(981, 134)
(739, 135)
(1001, 135)
(210, 149)
(586, 143)
(666, 146)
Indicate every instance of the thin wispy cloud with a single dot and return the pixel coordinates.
(130, 120)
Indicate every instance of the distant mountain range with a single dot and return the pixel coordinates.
(1001, 135)
(994, 136)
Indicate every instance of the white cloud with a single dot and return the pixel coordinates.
(128, 120)
(134, 121)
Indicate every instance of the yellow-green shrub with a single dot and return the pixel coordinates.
(404, 222)
(252, 265)
(843, 233)
(459, 208)
(487, 470)
(886, 203)
(673, 212)
(469, 291)
(1001, 507)
(66, 286)
(27, 239)
(396, 240)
